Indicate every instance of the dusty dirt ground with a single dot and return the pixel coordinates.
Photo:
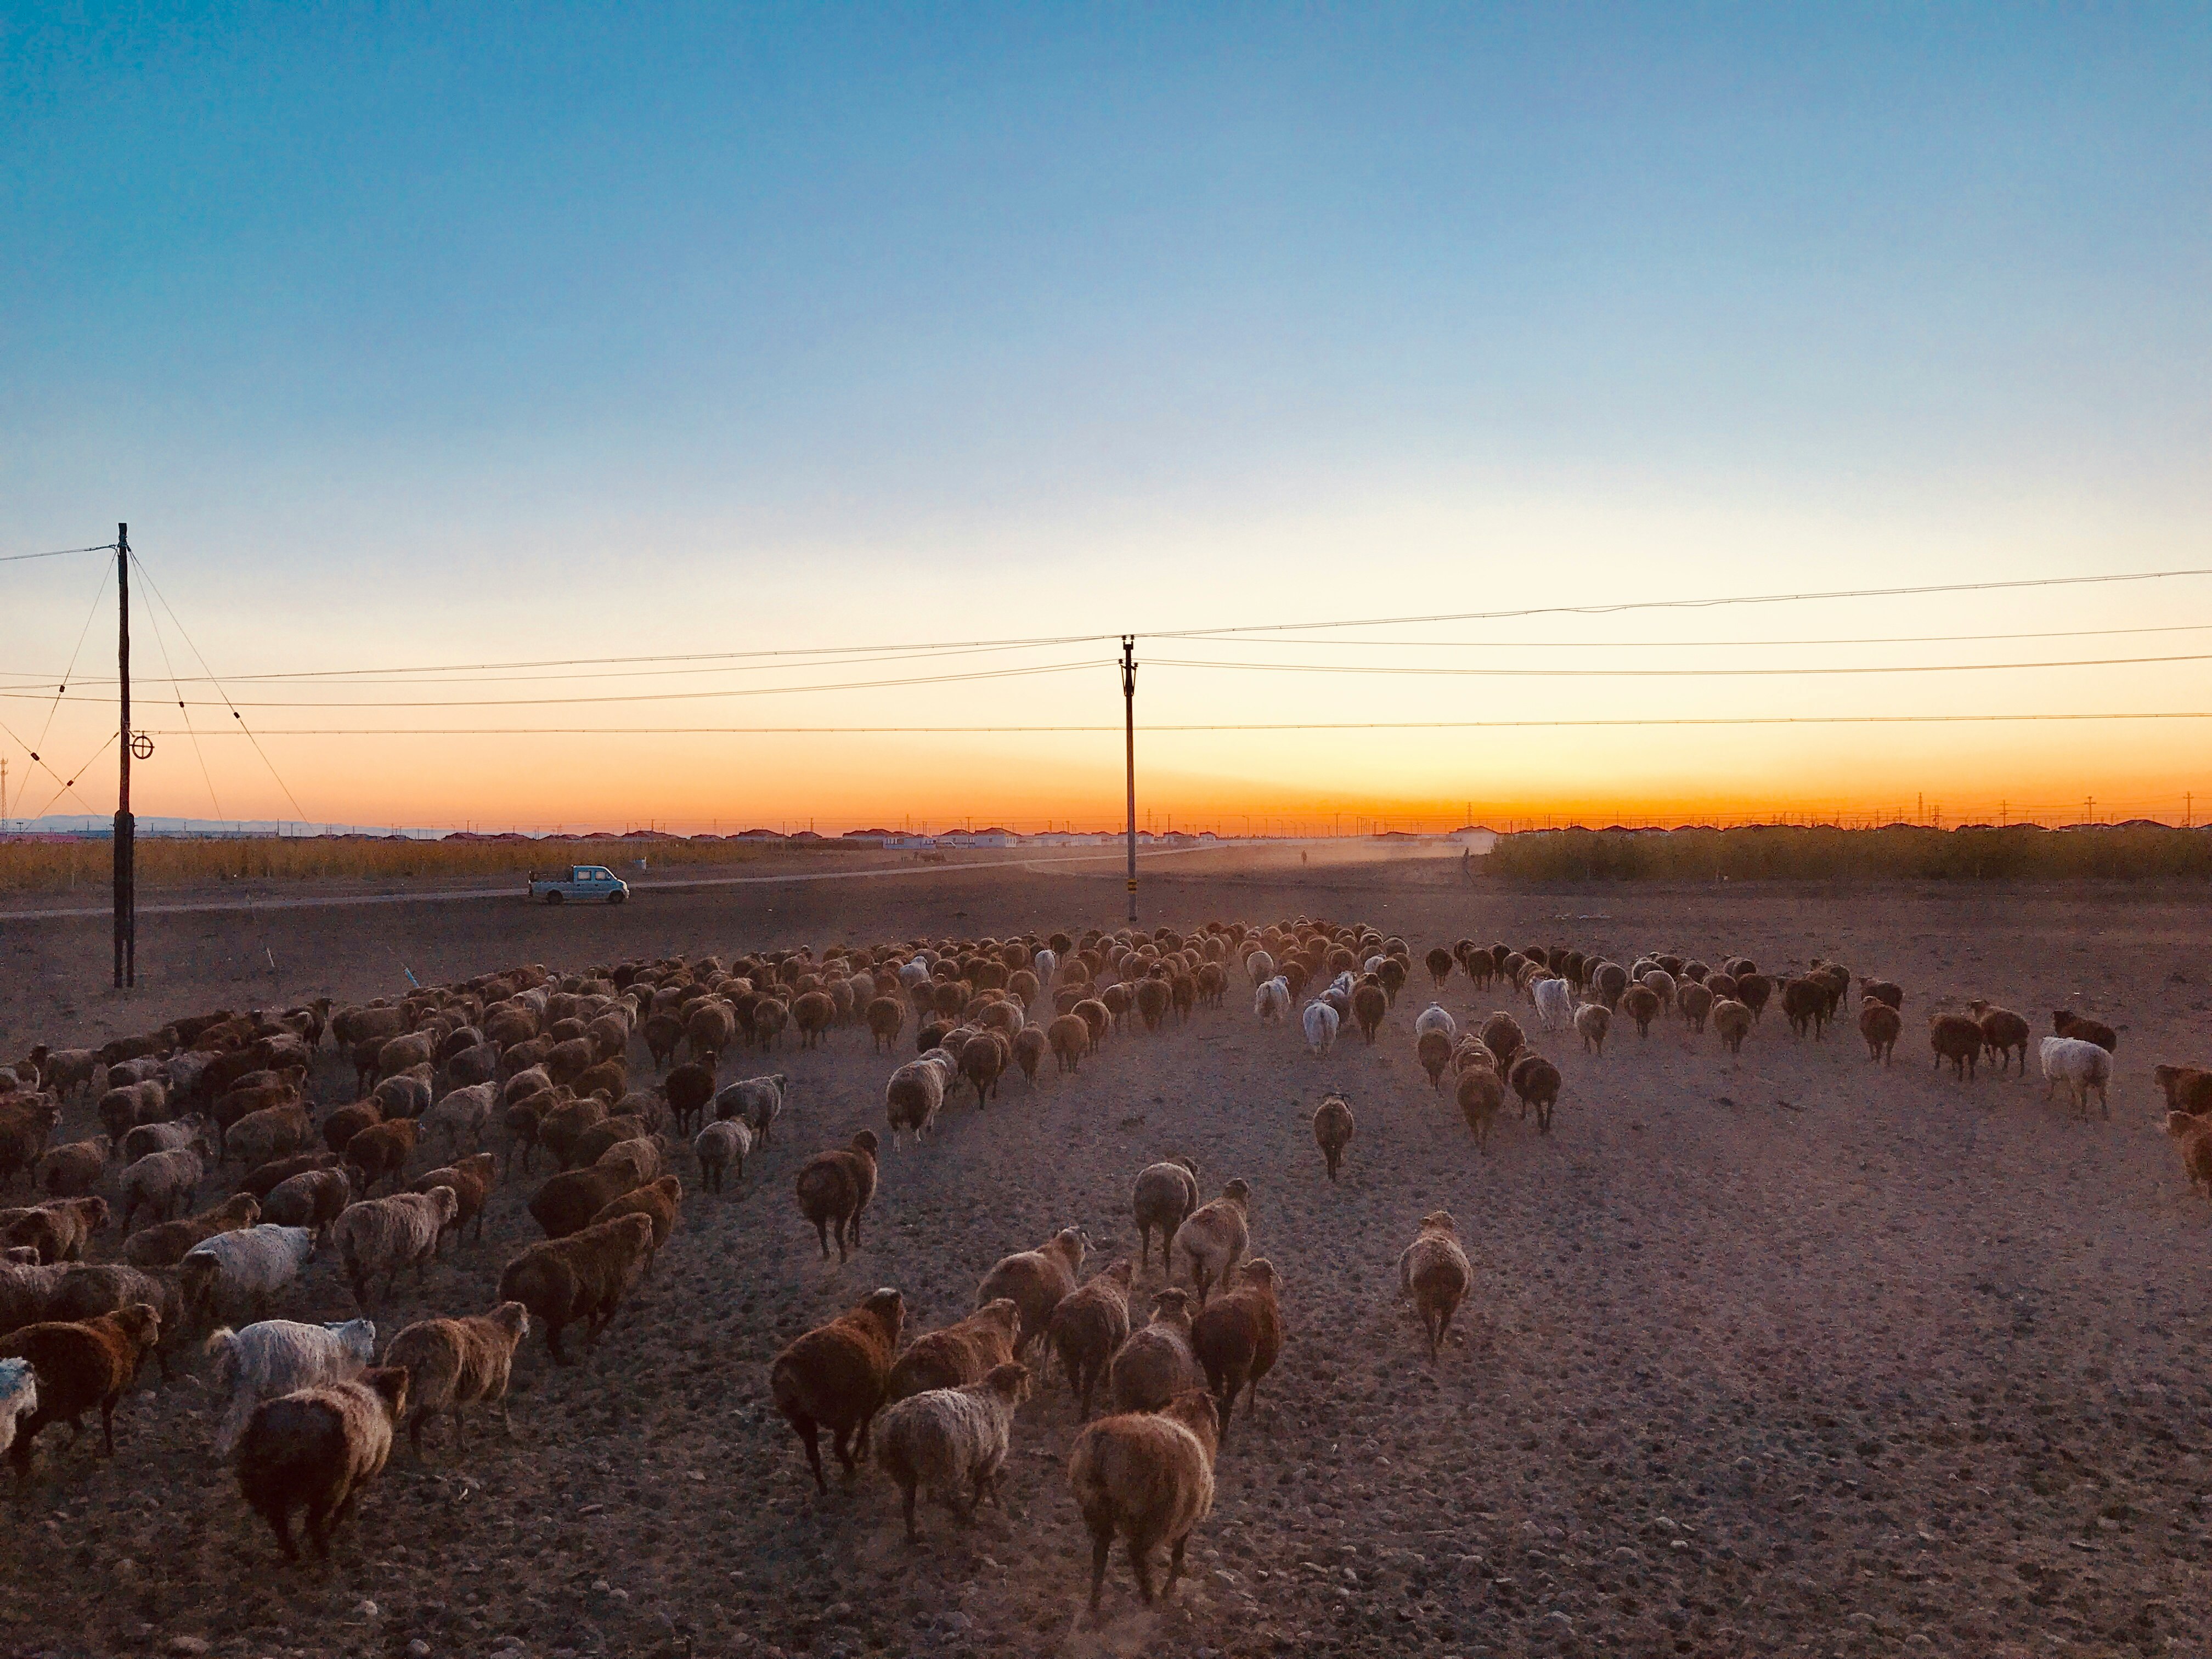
(1794, 1356)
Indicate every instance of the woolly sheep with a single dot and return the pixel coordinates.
(1880, 1027)
(79, 1365)
(1369, 1003)
(2083, 1066)
(248, 1265)
(1435, 1017)
(472, 1179)
(1164, 1195)
(660, 1202)
(160, 1182)
(1238, 1337)
(1591, 1023)
(835, 1188)
(164, 1244)
(1147, 1479)
(1480, 1095)
(19, 1398)
(2068, 1024)
(464, 1114)
(1272, 1001)
(1089, 1325)
(579, 1279)
(73, 1170)
(759, 1100)
(2193, 1140)
(276, 1357)
(1036, 1280)
(1433, 1272)
(953, 1441)
(384, 1235)
(834, 1378)
(312, 1198)
(1332, 1128)
(718, 1146)
(315, 1449)
(1156, 1362)
(452, 1363)
(1555, 1004)
(1957, 1039)
(1211, 1240)
(1320, 1020)
(960, 1354)
(1732, 1024)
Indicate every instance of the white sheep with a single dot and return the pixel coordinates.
(720, 1143)
(251, 1264)
(1435, 1017)
(1321, 1023)
(277, 1357)
(18, 1397)
(1555, 1004)
(1260, 966)
(2083, 1066)
(758, 1100)
(383, 1235)
(953, 1441)
(1272, 1001)
(1046, 966)
(465, 1112)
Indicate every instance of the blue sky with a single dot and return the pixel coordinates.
(837, 323)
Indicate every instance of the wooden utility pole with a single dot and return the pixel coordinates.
(1129, 753)
(126, 840)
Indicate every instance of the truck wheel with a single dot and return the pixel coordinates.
(555, 898)
(615, 898)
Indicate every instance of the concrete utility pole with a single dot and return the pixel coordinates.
(1129, 753)
(126, 841)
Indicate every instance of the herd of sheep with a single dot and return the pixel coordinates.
(533, 1062)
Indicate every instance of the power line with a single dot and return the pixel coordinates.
(161, 640)
(62, 687)
(58, 553)
(1267, 725)
(1681, 604)
(178, 622)
(650, 696)
(1734, 645)
(1671, 673)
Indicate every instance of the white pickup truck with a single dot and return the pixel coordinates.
(580, 882)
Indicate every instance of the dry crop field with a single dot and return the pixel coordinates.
(1796, 1354)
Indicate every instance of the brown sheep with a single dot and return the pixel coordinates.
(813, 1014)
(79, 1365)
(958, 1354)
(1879, 1025)
(2068, 1024)
(1164, 1194)
(1097, 1017)
(1805, 1003)
(1480, 1097)
(72, 1171)
(1071, 1038)
(1957, 1039)
(1148, 1480)
(1592, 1021)
(1238, 1337)
(2002, 1031)
(472, 1179)
(1732, 1022)
(568, 1202)
(343, 1124)
(660, 1202)
(835, 1188)
(1158, 1362)
(452, 1363)
(983, 1061)
(1089, 1325)
(1331, 1127)
(1502, 1035)
(689, 1090)
(1036, 1280)
(1434, 1050)
(1440, 964)
(1213, 1239)
(1752, 989)
(58, 1230)
(1695, 1002)
(834, 1378)
(2187, 1089)
(886, 1018)
(1536, 1080)
(381, 1149)
(167, 1242)
(270, 1176)
(315, 1449)
(1435, 1274)
(1030, 1044)
(1641, 1003)
(2193, 1140)
(580, 1279)
(1369, 1004)
(1883, 991)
